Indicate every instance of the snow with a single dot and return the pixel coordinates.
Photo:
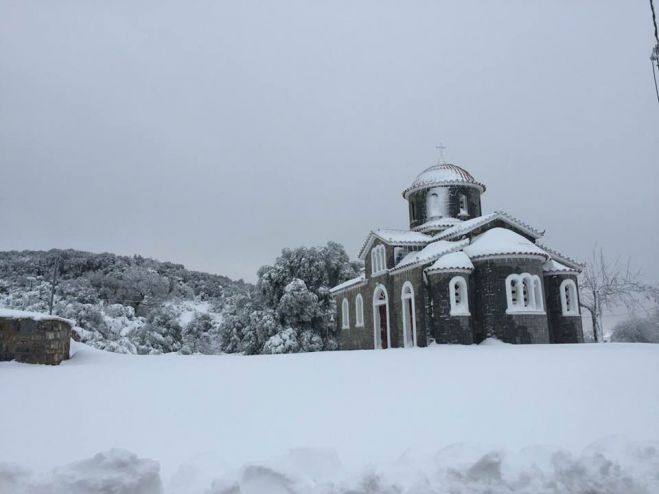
(402, 236)
(468, 226)
(429, 253)
(348, 284)
(438, 223)
(452, 261)
(553, 266)
(36, 316)
(501, 241)
(394, 237)
(490, 418)
(443, 174)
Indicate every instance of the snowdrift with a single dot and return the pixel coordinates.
(492, 418)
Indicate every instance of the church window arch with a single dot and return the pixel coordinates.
(345, 314)
(359, 311)
(524, 293)
(378, 259)
(409, 314)
(458, 296)
(381, 327)
(569, 298)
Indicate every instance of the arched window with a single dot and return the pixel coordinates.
(537, 293)
(359, 311)
(569, 298)
(378, 259)
(458, 296)
(409, 315)
(464, 207)
(524, 293)
(345, 314)
(381, 330)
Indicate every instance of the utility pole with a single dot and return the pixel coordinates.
(53, 284)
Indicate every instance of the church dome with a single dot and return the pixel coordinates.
(443, 174)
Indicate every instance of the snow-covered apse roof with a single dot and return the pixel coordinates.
(502, 242)
(443, 174)
(455, 261)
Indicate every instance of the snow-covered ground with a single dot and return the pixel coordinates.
(461, 419)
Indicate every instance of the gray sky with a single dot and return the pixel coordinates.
(215, 133)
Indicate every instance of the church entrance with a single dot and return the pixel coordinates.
(381, 331)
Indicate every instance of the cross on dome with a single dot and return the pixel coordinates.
(441, 160)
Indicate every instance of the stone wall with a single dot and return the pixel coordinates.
(447, 328)
(34, 341)
(417, 202)
(490, 303)
(562, 329)
(415, 277)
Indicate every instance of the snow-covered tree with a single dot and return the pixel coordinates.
(285, 341)
(297, 287)
(638, 329)
(200, 335)
(605, 284)
(161, 334)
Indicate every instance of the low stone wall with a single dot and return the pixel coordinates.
(34, 341)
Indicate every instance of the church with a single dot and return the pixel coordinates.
(457, 276)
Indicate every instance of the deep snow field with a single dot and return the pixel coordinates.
(446, 419)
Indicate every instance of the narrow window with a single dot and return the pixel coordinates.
(513, 292)
(359, 311)
(526, 289)
(569, 298)
(345, 314)
(458, 296)
(537, 293)
(524, 293)
(464, 207)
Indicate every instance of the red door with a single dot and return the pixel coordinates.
(383, 325)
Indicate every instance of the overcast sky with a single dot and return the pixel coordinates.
(215, 133)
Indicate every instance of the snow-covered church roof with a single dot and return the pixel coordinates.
(349, 284)
(502, 242)
(455, 261)
(429, 253)
(552, 266)
(394, 237)
(466, 227)
(443, 174)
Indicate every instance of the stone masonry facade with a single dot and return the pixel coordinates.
(34, 341)
(458, 277)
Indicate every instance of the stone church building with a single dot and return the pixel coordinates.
(457, 276)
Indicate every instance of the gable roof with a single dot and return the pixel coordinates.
(469, 226)
(394, 237)
(349, 284)
(428, 254)
(563, 259)
(502, 242)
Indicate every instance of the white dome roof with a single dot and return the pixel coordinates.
(443, 174)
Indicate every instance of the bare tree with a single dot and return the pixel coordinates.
(606, 284)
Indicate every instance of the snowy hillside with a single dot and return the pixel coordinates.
(489, 418)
